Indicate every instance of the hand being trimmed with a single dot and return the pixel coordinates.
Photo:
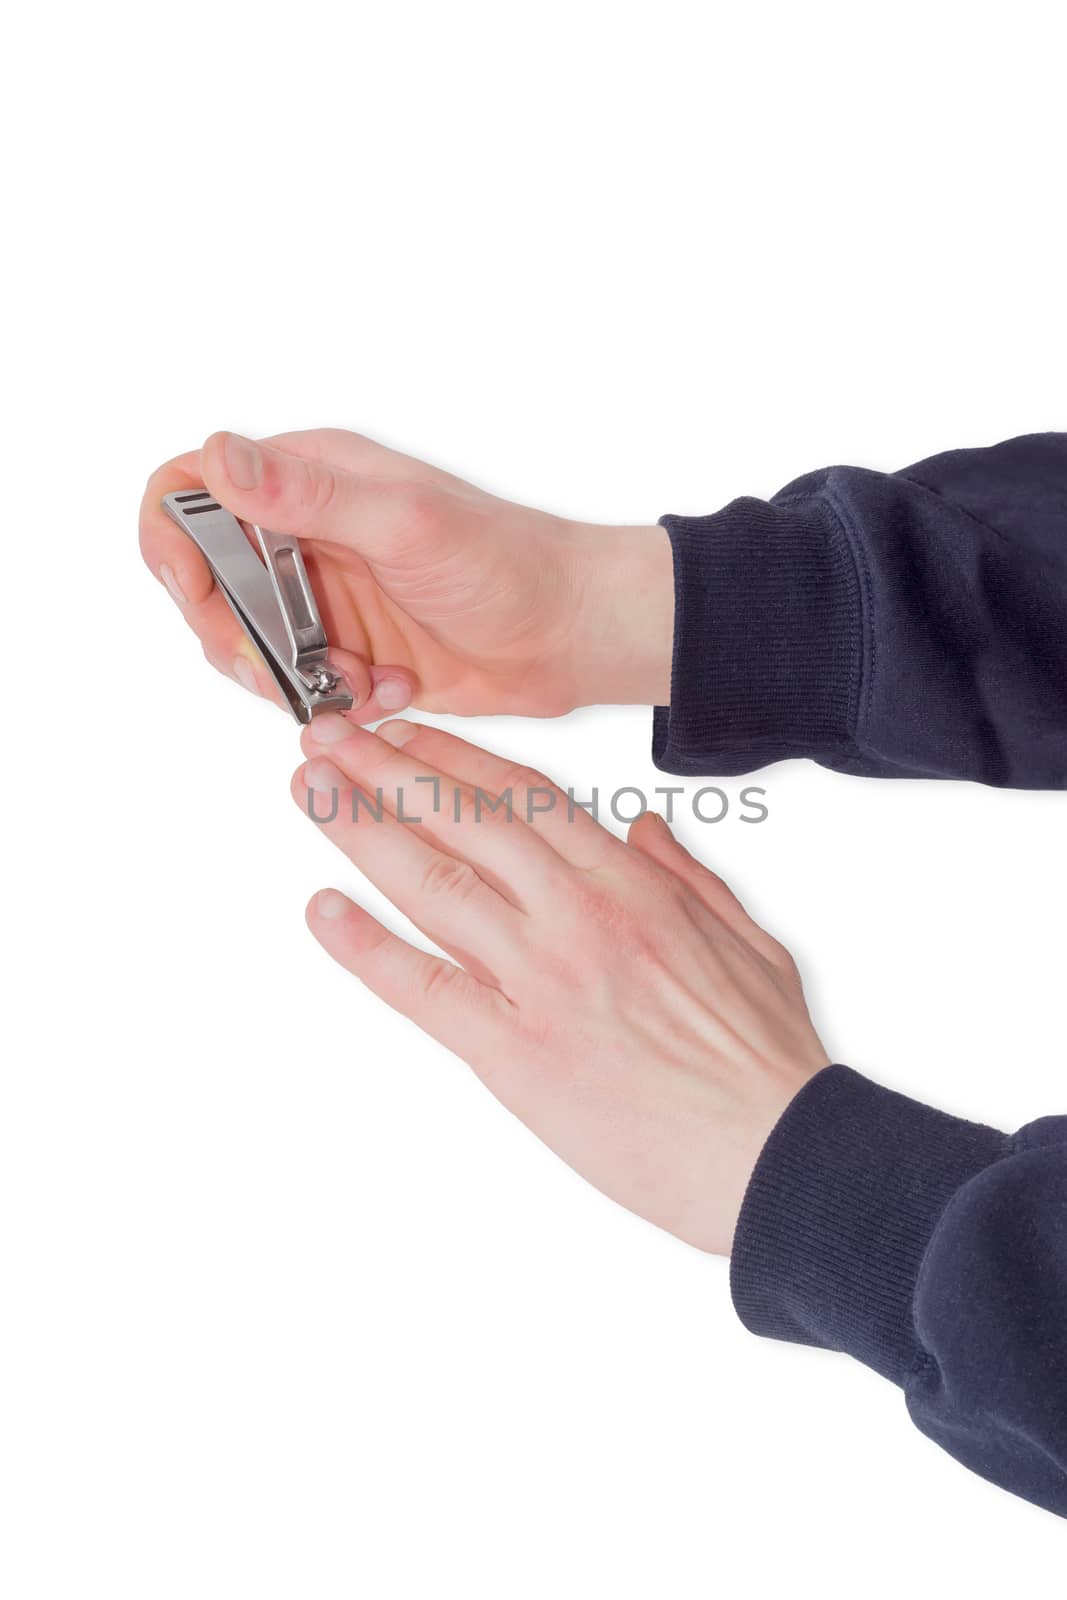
(616, 997)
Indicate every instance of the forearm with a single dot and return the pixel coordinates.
(908, 624)
(931, 1249)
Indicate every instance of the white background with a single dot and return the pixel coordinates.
(291, 1306)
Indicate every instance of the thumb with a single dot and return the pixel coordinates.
(303, 497)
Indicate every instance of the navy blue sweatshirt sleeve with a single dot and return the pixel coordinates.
(908, 624)
(932, 1249)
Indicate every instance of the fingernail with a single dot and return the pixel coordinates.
(242, 671)
(330, 905)
(244, 463)
(393, 693)
(398, 733)
(322, 775)
(173, 587)
(329, 727)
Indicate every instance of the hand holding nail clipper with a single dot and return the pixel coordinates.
(432, 592)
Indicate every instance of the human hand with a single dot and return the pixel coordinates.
(430, 589)
(616, 997)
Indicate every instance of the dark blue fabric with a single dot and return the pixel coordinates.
(909, 624)
(932, 1249)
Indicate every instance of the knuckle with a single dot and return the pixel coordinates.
(596, 914)
(318, 489)
(438, 978)
(483, 807)
(449, 877)
(532, 794)
(608, 922)
(711, 880)
(521, 778)
(785, 963)
(637, 940)
(377, 947)
(463, 808)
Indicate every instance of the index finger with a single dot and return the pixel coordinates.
(173, 558)
(179, 566)
(185, 573)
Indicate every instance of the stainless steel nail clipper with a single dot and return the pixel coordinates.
(272, 599)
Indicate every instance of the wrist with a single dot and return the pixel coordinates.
(624, 577)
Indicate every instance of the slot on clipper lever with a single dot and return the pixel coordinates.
(272, 599)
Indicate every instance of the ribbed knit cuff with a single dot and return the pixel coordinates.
(767, 639)
(839, 1210)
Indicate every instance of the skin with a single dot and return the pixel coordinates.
(433, 592)
(615, 996)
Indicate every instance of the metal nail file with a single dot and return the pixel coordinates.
(272, 599)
